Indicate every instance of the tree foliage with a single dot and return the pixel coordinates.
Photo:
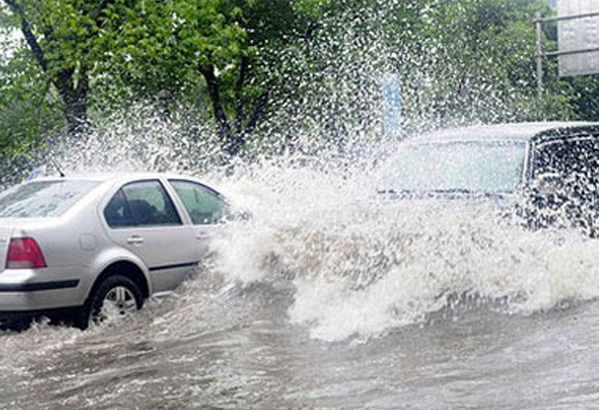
(478, 63)
(60, 36)
(209, 49)
(255, 68)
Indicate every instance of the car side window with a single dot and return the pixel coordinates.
(564, 188)
(143, 203)
(117, 212)
(204, 205)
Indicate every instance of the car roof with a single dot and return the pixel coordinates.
(510, 132)
(115, 177)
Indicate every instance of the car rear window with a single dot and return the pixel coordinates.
(43, 199)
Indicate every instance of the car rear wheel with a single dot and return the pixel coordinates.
(117, 296)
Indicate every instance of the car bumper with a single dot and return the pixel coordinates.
(32, 291)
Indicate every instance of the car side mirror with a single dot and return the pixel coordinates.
(243, 215)
(238, 215)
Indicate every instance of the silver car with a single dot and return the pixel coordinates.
(85, 246)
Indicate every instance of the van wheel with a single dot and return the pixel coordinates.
(116, 296)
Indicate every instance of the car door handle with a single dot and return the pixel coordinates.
(135, 240)
(201, 236)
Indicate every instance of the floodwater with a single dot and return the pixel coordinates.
(330, 299)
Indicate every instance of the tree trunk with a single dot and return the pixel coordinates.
(243, 67)
(228, 141)
(258, 113)
(76, 115)
(74, 97)
(234, 138)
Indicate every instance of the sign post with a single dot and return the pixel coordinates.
(392, 106)
(539, 52)
(578, 39)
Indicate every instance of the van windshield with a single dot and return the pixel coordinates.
(43, 199)
(457, 166)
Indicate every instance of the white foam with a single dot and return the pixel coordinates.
(361, 268)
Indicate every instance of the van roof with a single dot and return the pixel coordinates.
(523, 132)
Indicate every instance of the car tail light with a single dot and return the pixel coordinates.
(24, 253)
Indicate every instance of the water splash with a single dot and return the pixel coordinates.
(361, 266)
(358, 266)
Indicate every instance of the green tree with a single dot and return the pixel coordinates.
(28, 105)
(477, 63)
(264, 71)
(60, 36)
(210, 49)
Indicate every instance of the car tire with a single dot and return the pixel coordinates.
(115, 290)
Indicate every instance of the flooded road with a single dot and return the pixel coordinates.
(246, 355)
(333, 301)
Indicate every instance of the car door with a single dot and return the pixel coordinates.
(206, 208)
(142, 218)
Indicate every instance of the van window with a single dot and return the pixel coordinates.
(568, 157)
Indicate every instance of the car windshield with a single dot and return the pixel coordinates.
(457, 166)
(39, 199)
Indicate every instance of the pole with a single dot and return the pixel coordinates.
(539, 52)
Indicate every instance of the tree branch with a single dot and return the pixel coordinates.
(311, 31)
(37, 51)
(244, 64)
(97, 14)
(220, 116)
(258, 113)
